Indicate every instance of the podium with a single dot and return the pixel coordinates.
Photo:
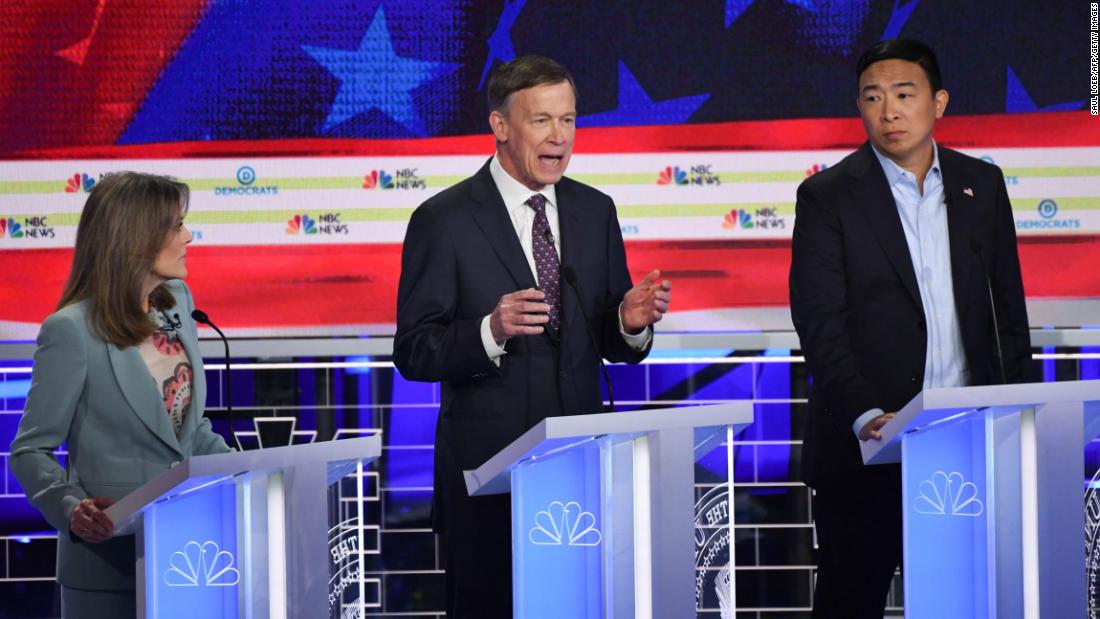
(993, 498)
(244, 534)
(603, 510)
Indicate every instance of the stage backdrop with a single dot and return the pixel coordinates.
(309, 132)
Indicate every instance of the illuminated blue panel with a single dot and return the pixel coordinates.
(557, 536)
(946, 517)
(191, 555)
(772, 421)
(9, 427)
(15, 389)
(628, 381)
(243, 387)
(409, 426)
(1090, 368)
(408, 468)
(411, 392)
(734, 384)
(1050, 371)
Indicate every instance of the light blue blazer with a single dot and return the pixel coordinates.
(104, 404)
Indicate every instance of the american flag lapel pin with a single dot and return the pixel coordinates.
(968, 191)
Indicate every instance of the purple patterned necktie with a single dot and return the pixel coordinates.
(546, 258)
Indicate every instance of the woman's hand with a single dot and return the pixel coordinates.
(89, 523)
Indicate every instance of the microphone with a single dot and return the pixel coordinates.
(200, 316)
(976, 247)
(571, 278)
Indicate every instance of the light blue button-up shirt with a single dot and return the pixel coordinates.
(924, 220)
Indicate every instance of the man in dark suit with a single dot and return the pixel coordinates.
(481, 308)
(892, 249)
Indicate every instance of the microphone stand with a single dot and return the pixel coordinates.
(200, 316)
(976, 246)
(571, 278)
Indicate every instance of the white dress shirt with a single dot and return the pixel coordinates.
(515, 196)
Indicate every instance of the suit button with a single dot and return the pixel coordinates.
(915, 379)
(563, 374)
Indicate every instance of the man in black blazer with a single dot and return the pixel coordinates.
(483, 309)
(891, 253)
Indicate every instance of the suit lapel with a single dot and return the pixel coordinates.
(492, 217)
(569, 225)
(136, 385)
(959, 207)
(876, 202)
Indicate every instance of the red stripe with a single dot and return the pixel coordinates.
(985, 131)
(294, 286)
(72, 82)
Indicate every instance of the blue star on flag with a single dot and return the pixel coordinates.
(1018, 101)
(898, 18)
(734, 8)
(500, 42)
(374, 77)
(636, 108)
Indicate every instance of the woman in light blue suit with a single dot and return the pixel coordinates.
(118, 378)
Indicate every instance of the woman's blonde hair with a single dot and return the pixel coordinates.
(126, 221)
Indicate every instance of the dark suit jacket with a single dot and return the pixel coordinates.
(857, 308)
(461, 254)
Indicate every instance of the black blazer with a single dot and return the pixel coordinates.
(857, 308)
(461, 254)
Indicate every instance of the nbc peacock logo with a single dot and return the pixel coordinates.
(378, 179)
(737, 219)
(301, 224)
(948, 494)
(672, 175)
(10, 228)
(564, 524)
(201, 565)
(79, 183)
(815, 168)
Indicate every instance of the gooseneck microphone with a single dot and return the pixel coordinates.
(200, 316)
(571, 278)
(976, 247)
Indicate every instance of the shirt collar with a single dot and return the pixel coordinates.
(513, 192)
(894, 172)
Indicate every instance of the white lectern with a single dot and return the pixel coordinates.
(603, 510)
(992, 485)
(243, 534)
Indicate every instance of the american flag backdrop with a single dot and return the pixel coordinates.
(312, 100)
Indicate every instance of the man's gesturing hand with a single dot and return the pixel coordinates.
(645, 303)
(519, 313)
